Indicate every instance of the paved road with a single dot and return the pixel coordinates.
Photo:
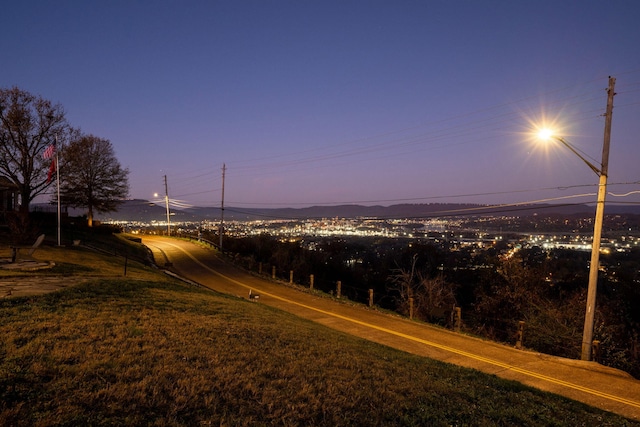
(587, 382)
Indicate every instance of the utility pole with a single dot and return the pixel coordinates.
(221, 231)
(587, 336)
(58, 188)
(166, 202)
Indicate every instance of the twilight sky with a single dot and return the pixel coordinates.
(334, 102)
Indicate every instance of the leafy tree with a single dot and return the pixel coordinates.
(28, 125)
(91, 176)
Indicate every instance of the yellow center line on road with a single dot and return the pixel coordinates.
(422, 341)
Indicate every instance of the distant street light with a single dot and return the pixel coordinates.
(602, 172)
(166, 201)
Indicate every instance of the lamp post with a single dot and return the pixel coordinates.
(166, 202)
(602, 172)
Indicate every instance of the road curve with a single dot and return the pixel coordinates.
(587, 382)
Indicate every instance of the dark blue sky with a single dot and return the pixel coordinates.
(331, 102)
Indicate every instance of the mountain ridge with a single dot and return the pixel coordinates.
(146, 211)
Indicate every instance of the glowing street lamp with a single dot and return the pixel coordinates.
(602, 172)
(547, 134)
(587, 335)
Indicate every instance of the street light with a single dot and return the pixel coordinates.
(547, 134)
(602, 172)
(587, 335)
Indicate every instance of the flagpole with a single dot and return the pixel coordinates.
(58, 188)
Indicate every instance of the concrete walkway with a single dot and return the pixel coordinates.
(588, 382)
(26, 286)
(24, 264)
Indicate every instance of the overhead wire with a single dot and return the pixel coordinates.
(447, 119)
(475, 210)
(396, 145)
(399, 142)
(468, 128)
(471, 211)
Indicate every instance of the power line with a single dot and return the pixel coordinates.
(326, 152)
(501, 119)
(449, 196)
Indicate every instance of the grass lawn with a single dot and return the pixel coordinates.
(147, 350)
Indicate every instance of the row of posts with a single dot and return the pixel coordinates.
(311, 281)
(595, 344)
(456, 314)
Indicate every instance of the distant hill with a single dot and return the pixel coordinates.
(145, 211)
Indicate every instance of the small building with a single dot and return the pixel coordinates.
(8, 198)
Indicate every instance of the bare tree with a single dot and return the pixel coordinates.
(402, 281)
(433, 297)
(91, 176)
(436, 298)
(28, 125)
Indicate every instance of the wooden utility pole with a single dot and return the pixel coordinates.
(166, 202)
(58, 190)
(221, 231)
(587, 335)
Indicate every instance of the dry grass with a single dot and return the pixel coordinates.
(150, 351)
(70, 261)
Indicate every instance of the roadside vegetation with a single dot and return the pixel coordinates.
(496, 288)
(144, 349)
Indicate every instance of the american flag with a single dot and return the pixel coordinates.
(49, 151)
(52, 170)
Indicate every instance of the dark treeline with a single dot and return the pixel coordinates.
(495, 287)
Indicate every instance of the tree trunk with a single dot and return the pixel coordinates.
(25, 193)
(90, 217)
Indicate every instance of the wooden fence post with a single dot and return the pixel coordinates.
(273, 272)
(290, 277)
(457, 319)
(370, 297)
(338, 289)
(595, 351)
(311, 281)
(410, 308)
(520, 335)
